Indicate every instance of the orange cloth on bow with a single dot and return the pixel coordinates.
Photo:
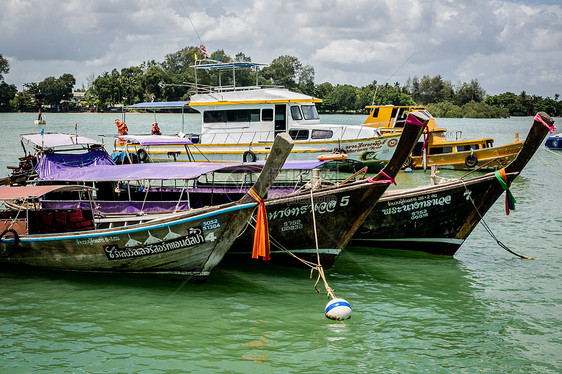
(261, 236)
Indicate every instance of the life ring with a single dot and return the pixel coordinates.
(471, 160)
(555, 143)
(143, 154)
(16, 241)
(408, 163)
(249, 156)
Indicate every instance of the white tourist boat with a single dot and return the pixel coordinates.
(240, 123)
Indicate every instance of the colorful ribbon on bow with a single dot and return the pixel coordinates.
(538, 118)
(509, 199)
(388, 179)
(261, 235)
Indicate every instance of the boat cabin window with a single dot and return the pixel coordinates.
(489, 143)
(296, 113)
(299, 134)
(322, 134)
(439, 150)
(461, 148)
(267, 115)
(375, 113)
(310, 112)
(401, 119)
(234, 115)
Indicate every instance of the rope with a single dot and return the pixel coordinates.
(550, 167)
(489, 230)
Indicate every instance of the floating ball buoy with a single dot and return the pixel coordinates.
(338, 309)
(408, 170)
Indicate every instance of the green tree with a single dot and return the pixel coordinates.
(4, 67)
(7, 93)
(23, 102)
(430, 90)
(153, 81)
(389, 95)
(324, 92)
(288, 71)
(467, 92)
(445, 110)
(57, 89)
(131, 81)
(344, 97)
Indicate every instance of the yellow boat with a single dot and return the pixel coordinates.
(456, 154)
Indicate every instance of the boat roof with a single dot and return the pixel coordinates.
(154, 139)
(164, 170)
(53, 140)
(159, 105)
(27, 192)
(252, 96)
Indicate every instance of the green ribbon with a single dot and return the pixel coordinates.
(510, 199)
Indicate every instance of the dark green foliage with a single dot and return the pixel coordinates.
(174, 79)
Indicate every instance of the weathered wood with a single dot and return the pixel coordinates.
(277, 156)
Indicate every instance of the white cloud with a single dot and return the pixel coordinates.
(506, 45)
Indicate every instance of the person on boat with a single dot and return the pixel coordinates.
(155, 129)
(121, 127)
(121, 130)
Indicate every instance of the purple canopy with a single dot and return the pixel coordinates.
(155, 171)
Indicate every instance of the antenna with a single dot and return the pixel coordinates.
(391, 75)
(192, 25)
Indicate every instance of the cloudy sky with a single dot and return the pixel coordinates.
(508, 45)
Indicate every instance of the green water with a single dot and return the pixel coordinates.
(482, 310)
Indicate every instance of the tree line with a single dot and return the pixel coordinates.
(173, 78)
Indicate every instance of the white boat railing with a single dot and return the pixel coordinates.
(239, 137)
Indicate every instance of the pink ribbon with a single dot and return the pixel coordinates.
(388, 180)
(551, 129)
(411, 120)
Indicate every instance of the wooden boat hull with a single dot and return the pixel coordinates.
(185, 246)
(338, 213)
(438, 219)
(435, 219)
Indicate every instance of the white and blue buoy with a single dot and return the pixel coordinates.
(408, 170)
(338, 309)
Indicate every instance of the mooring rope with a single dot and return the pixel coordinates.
(550, 167)
(488, 229)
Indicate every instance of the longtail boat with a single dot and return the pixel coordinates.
(438, 218)
(314, 226)
(186, 245)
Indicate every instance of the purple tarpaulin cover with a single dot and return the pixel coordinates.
(156, 171)
(55, 163)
